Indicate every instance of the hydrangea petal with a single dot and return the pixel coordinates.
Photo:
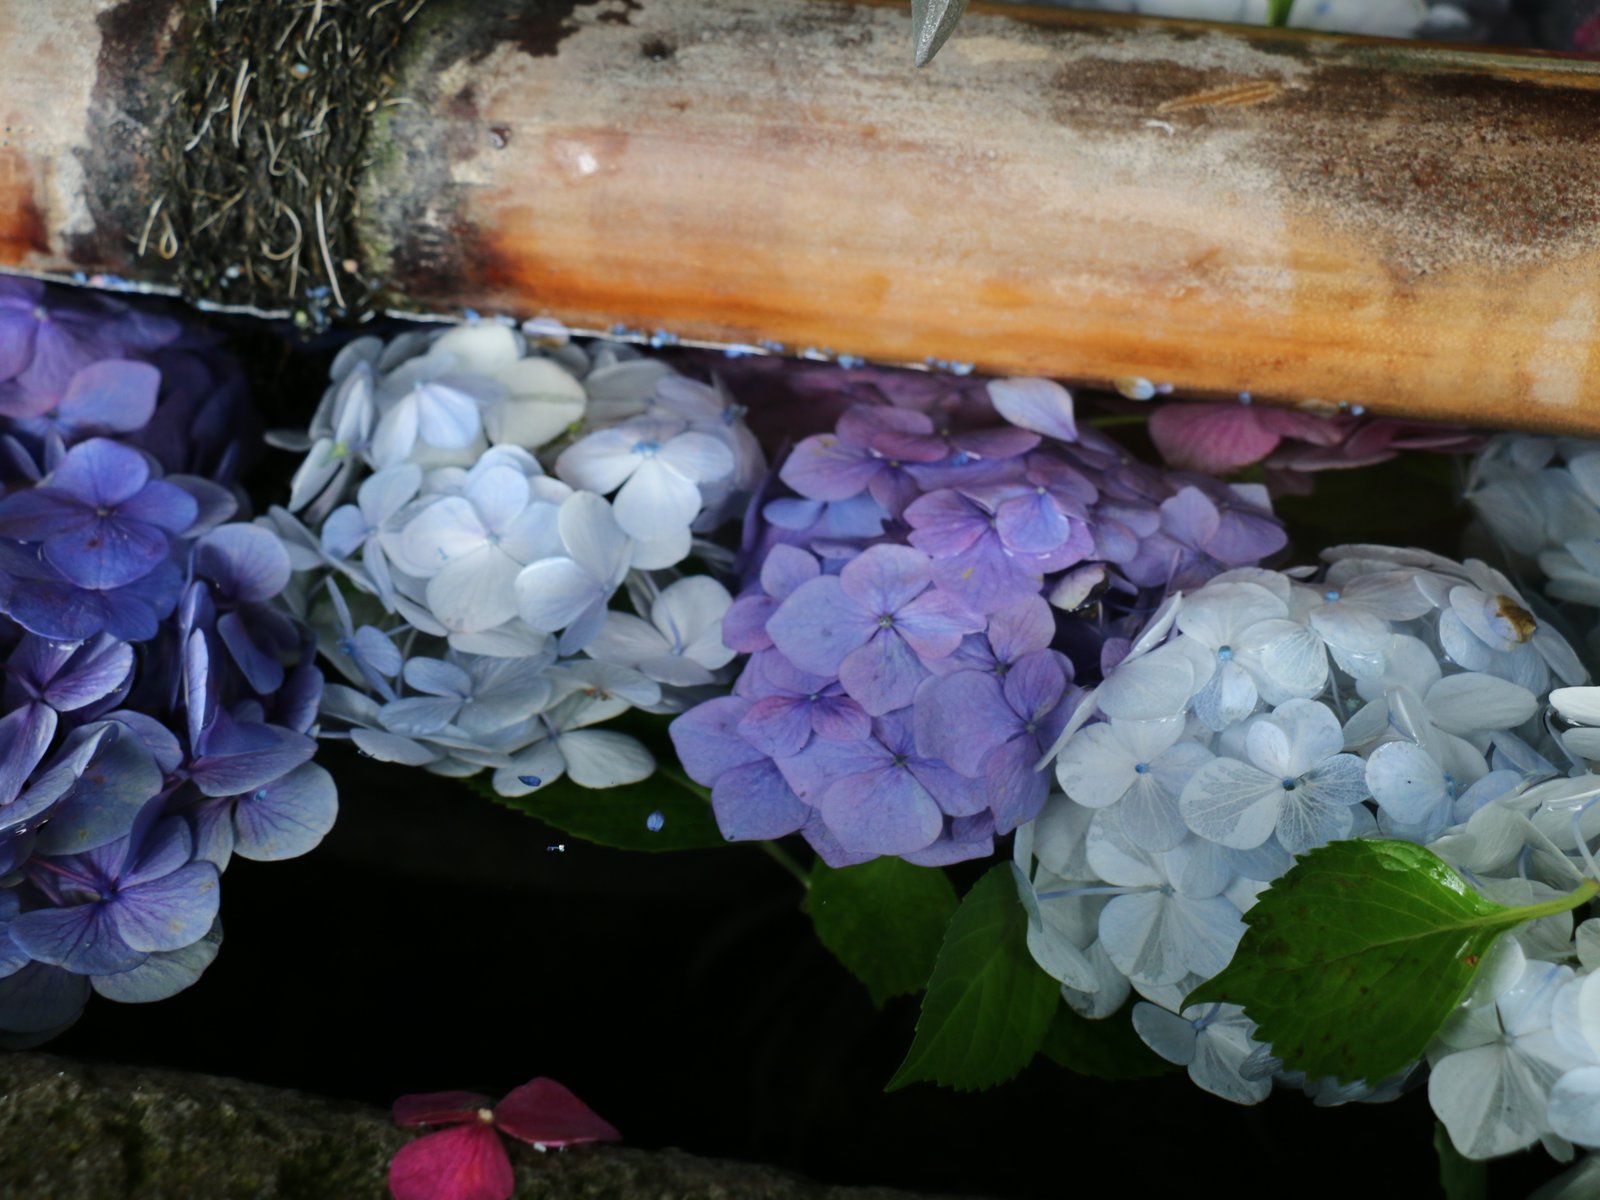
(656, 502)
(1575, 1106)
(464, 1163)
(82, 938)
(884, 811)
(553, 593)
(817, 625)
(41, 999)
(544, 1113)
(754, 802)
(170, 508)
(101, 473)
(162, 975)
(1233, 803)
(106, 553)
(602, 758)
(1040, 405)
(287, 817)
(1406, 781)
(882, 675)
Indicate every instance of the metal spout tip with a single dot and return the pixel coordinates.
(932, 23)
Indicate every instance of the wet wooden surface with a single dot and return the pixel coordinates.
(1414, 229)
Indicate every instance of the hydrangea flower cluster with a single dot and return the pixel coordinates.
(159, 703)
(908, 613)
(1392, 693)
(471, 503)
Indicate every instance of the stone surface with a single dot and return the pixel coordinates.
(79, 1131)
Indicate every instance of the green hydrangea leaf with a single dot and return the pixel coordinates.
(883, 920)
(668, 811)
(1459, 1178)
(1105, 1049)
(1354, 958)
(988, 1004)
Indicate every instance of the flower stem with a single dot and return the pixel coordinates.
(1582, 894)
(785, 860)
(1112, 420)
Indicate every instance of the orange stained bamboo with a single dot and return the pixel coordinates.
(1411, 228)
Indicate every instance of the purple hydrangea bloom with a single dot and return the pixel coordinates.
(104, 398)
(997, 726)
(791, 706)
(877, 794)
(870, 452)
(158, 694)
(917, 614)
(98, 518)
(114, 906)
(751, 798)
(875, 626)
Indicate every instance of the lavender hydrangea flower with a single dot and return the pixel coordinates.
(908, 619)
(875, 626)
(98, 518)
(116, 905)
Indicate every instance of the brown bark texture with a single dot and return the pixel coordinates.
(1314, 220)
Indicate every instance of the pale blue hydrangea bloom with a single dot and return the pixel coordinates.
(1390, 692)
(476, 606)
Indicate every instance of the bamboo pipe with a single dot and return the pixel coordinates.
(1412, 228)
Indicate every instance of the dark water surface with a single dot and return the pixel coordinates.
(437, 941)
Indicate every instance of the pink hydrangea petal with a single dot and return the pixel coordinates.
(1213, 438)
(438, 1108)
(545, 1113)
(464, 1163)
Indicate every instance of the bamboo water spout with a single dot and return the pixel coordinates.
(1411, 228)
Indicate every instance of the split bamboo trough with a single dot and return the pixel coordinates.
(1407, 227)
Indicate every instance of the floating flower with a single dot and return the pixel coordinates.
(468, 1161)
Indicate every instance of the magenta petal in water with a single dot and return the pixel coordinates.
(547, 1114)
(464, 1163)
